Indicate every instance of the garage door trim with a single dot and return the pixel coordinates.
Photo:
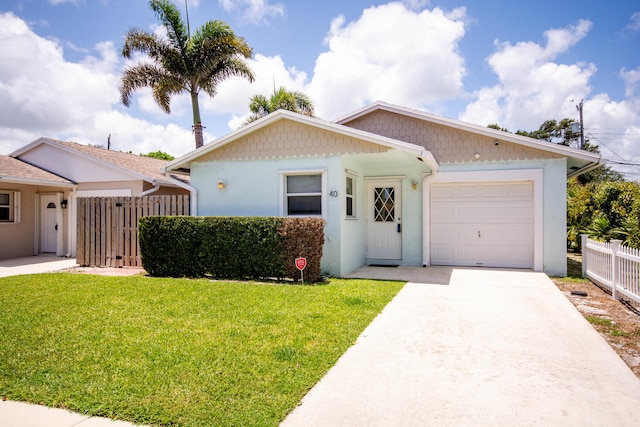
(533, 175)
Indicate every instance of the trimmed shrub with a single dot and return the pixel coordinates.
(231, 247)
(302, 237)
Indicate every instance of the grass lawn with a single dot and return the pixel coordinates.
(176, 351)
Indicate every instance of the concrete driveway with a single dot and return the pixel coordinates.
(474, 347)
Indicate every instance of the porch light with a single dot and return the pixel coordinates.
(222, 184)
(64, 204)
(414, 184)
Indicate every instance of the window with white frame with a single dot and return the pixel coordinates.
(9, 201)
(303, 194)
(350, 195)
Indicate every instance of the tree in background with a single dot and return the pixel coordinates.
(182, 62)
(604, 210)
(281, 99)
(159, 155)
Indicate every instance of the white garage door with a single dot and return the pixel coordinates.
(486, 224)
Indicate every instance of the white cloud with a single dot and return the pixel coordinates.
(532, 87)
(40, 88)
(634, 23)
(632, 82)
(132, 134)
(45, 95)
(254, 11)
(414, 63)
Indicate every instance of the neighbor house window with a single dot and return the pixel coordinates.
(350, 197)
(9, 201)
(303, 194)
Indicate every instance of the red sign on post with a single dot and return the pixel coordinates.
(301, 263)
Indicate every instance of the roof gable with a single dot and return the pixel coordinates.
(287, 134)
(578, 161)
(447, 144)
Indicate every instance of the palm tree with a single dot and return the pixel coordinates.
(281, 99)
(182, 62)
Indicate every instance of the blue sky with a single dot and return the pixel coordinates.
(514, 63)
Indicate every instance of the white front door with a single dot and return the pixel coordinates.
(384, 232)
(49, 205)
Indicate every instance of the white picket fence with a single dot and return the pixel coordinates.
(612, 266)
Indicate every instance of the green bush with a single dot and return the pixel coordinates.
(231, 247)
(604, 210)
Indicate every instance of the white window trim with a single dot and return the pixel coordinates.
(14, 202)
(283, 184)
(353, 196)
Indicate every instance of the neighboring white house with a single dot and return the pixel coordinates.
(397, 186)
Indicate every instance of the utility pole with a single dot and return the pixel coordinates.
(579, 108)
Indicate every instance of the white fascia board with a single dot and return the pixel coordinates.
(469, 127)
(311, 121)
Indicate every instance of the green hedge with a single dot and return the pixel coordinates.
(231, 247)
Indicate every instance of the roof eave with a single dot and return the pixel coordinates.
(586, 168)
(40, 182)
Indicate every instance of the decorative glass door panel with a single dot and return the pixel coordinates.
(384, 205)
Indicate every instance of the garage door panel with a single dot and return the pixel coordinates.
(516, 234)
(519, 256)
(488, 224)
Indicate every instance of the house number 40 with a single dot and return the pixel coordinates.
(333, 193)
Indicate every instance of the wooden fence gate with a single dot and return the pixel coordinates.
(108, 227)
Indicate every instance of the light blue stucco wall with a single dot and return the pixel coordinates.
(253, 189)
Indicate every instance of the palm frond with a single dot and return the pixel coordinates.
(169, 16)
(148, 75)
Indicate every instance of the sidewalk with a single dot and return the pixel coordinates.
(35, 264)
(19, 414)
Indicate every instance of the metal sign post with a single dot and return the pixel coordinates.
(301, 264)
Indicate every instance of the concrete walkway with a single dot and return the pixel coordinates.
(480, 347)
(19, 414)
(34, 264)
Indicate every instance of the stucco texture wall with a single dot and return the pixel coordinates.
(253, 188)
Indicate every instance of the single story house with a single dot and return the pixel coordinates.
(42, 181)
(397, 186)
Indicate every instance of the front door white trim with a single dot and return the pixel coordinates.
(384, 233)
(533, 175)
